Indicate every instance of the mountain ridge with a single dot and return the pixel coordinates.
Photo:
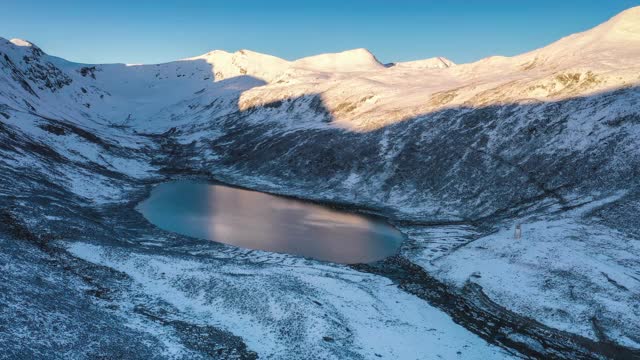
(562, 69)
(623, 26)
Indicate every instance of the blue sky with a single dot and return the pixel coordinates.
(145, 31)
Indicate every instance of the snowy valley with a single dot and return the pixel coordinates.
(453, 155)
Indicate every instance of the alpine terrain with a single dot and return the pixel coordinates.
(454, 156)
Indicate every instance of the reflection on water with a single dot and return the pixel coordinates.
(257, 220)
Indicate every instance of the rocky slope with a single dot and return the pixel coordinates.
(455, 156)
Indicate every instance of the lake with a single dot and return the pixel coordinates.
(256, 220)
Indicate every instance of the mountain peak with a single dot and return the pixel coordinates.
(629, 14)
(437, 62)
(22, 42)
(625, 25)
(358, 52)
(25, 45)
(242, 53)
(346, 61)
(614, 43)
(244, 62)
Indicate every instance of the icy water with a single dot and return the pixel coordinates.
(261, 221)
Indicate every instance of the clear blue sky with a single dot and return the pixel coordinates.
(145, 31)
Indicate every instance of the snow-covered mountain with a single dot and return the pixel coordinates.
(357, 60)
(431, 63)
(453, 154)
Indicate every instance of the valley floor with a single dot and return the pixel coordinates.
(84, 274)
(90, 265)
